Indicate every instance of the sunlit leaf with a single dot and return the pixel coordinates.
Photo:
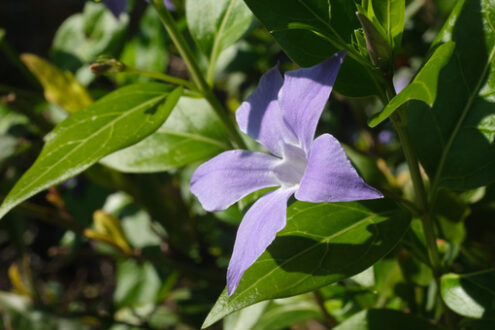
(217, 24)
(321, 244)
(470, 295)
(423, 87)
(116, 121)
(192, 133)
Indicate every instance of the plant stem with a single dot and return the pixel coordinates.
(160, 76)
(399, 119)
(331, 322)
(196, 74)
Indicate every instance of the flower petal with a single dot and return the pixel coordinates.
(260, 116)
(257, 231)
(304, 95)
(330, 177)
(169, 4)
(233, 174)
(117, 7)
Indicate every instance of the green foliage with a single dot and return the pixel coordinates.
(119, 242)
(451, 212)
(470, 295)
(390, 15)
(461, 120)
(146, 50)
(136, 285)
(384, 319)
(321, 244)
(192, 133)
(59, 87)
(90, 134)
(423, 87)
(293, 24)
(19, 313)
(217, 24)
(85, 36)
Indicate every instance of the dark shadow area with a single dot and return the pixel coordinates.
(30, 26)
(387, 319)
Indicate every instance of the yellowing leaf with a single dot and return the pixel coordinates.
(60, 87)
(109, 226)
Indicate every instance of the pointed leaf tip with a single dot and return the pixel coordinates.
(423, 87)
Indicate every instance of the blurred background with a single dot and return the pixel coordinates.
(136, 251)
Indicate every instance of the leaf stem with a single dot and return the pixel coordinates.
(419, 189)
(331, 322)
(160, 76)
(399, 119)
(195, 72)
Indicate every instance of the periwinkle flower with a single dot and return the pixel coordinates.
(281, 114)
(117, 7)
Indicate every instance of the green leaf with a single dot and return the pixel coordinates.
(217, 24)
(423, 87)
(391, 14)
(146, 51)
(246, 318)
(321, 244)
(136, 284)
(414, 270)
(10, 119)
(19, 312)
(451, 212)
(192, 133)
(283, 313)
(385, 319)
(455, 139)
(60, 87)
(293, 24)
(118, 120)
(367, 167)
(83, 37)
(378, 47)
(470, 295)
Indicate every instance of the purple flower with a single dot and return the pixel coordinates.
(117, 7)
(169, 4)
(281, 114)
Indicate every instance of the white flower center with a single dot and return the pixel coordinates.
(290, 170)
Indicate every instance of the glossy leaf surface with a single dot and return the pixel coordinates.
(455, 139)
(423, 87)
(192, 133)
(321, 244)
(470, 295)
(390, 14)
(293, 24)
(118, 120)
(217, 24)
